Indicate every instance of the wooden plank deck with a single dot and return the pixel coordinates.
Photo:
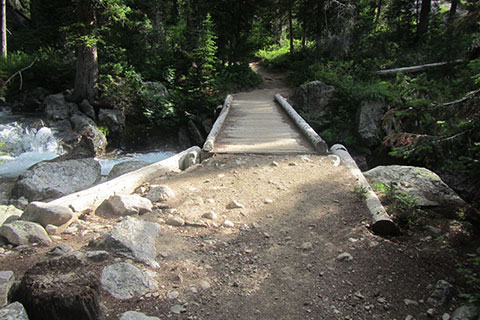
(256, 124)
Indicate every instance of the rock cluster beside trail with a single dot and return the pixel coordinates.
(419, 183)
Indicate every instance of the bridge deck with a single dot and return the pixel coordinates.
(256, 124)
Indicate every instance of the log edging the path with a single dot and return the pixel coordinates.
(217, 126)
(89, 199)
(382, 223)
(319, 144)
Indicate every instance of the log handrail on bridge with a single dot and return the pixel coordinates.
(319, 144)
(217, 126)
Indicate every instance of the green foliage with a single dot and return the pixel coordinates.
(399, 204)
(236, 77)
(360, 192)
(157, 108)
(471, 273)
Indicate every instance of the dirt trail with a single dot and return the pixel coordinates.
(299, 248)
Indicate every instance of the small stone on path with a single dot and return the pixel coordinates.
(409, 302)
(175, 221)
(228, 224)
(345, 256)
(210, 215)
(7, 278)
(205, 285)
(98, 255)
(235, 205)
(177, 309)
(307, 246)
(171, 295)
(134, 315)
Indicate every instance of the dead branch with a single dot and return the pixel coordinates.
(19, 72)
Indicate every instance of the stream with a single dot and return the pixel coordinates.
(25, 141)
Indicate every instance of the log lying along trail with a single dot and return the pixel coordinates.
(419, 68)
(89, 199)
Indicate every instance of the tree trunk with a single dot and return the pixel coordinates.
(379, 10)
(86, 76)
(304, 35)
(4, 29)
(424, 18)
(453, 11)
(290, 26)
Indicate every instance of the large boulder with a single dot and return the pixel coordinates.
(126, 281)
(9, 213)
(313, 97)
(80, 121)
(370, 121)
(419, 183)
(126, 167)
(24, 232)
(60, 288)
(113, 119)
(14, 311)
(32, 100)
(56, 108)
(7, 279)
(124, 205)
(87, 108)
(45, 214)
(51, 180)
(132, 238)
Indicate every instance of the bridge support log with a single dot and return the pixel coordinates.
(319, 144)
(217, 126)
(382, 223)
(89, 199)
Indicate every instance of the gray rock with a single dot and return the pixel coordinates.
(160, 193)
(345, 256)
(60, 249)
(441, 294)
(124, 205)
(14, 311)
(228, 224)
(113, 119)
(93, 140)
(210, 215)
(465, 313)
(88, 109)
(313, 97)
(98, 255)
(7, 278)
(177, 309)
(32, 99)
(370, 121)
(45, 214)
(80, 121)
(24, 232)
(190, 159)
(409, 302)
(51, 180)
(419, 183)
(134, 315)
(132, 238)
(235, 205)
(125, 167)
(7, 212)
(56, 108)
(175, 221)
(125, 281)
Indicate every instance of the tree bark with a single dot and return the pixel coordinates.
(453, 11)
(4, 29)
(379, 10)
(290, 26)
(86, 77)
(424, 18)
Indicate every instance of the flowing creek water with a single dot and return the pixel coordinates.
(25, 141)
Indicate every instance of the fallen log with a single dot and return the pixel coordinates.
(91, 198)
(382, 223)
(217, 126)
(419, 68)
(319, 144)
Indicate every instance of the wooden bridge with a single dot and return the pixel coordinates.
(262, 122)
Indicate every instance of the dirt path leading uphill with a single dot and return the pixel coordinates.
(297, 247)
